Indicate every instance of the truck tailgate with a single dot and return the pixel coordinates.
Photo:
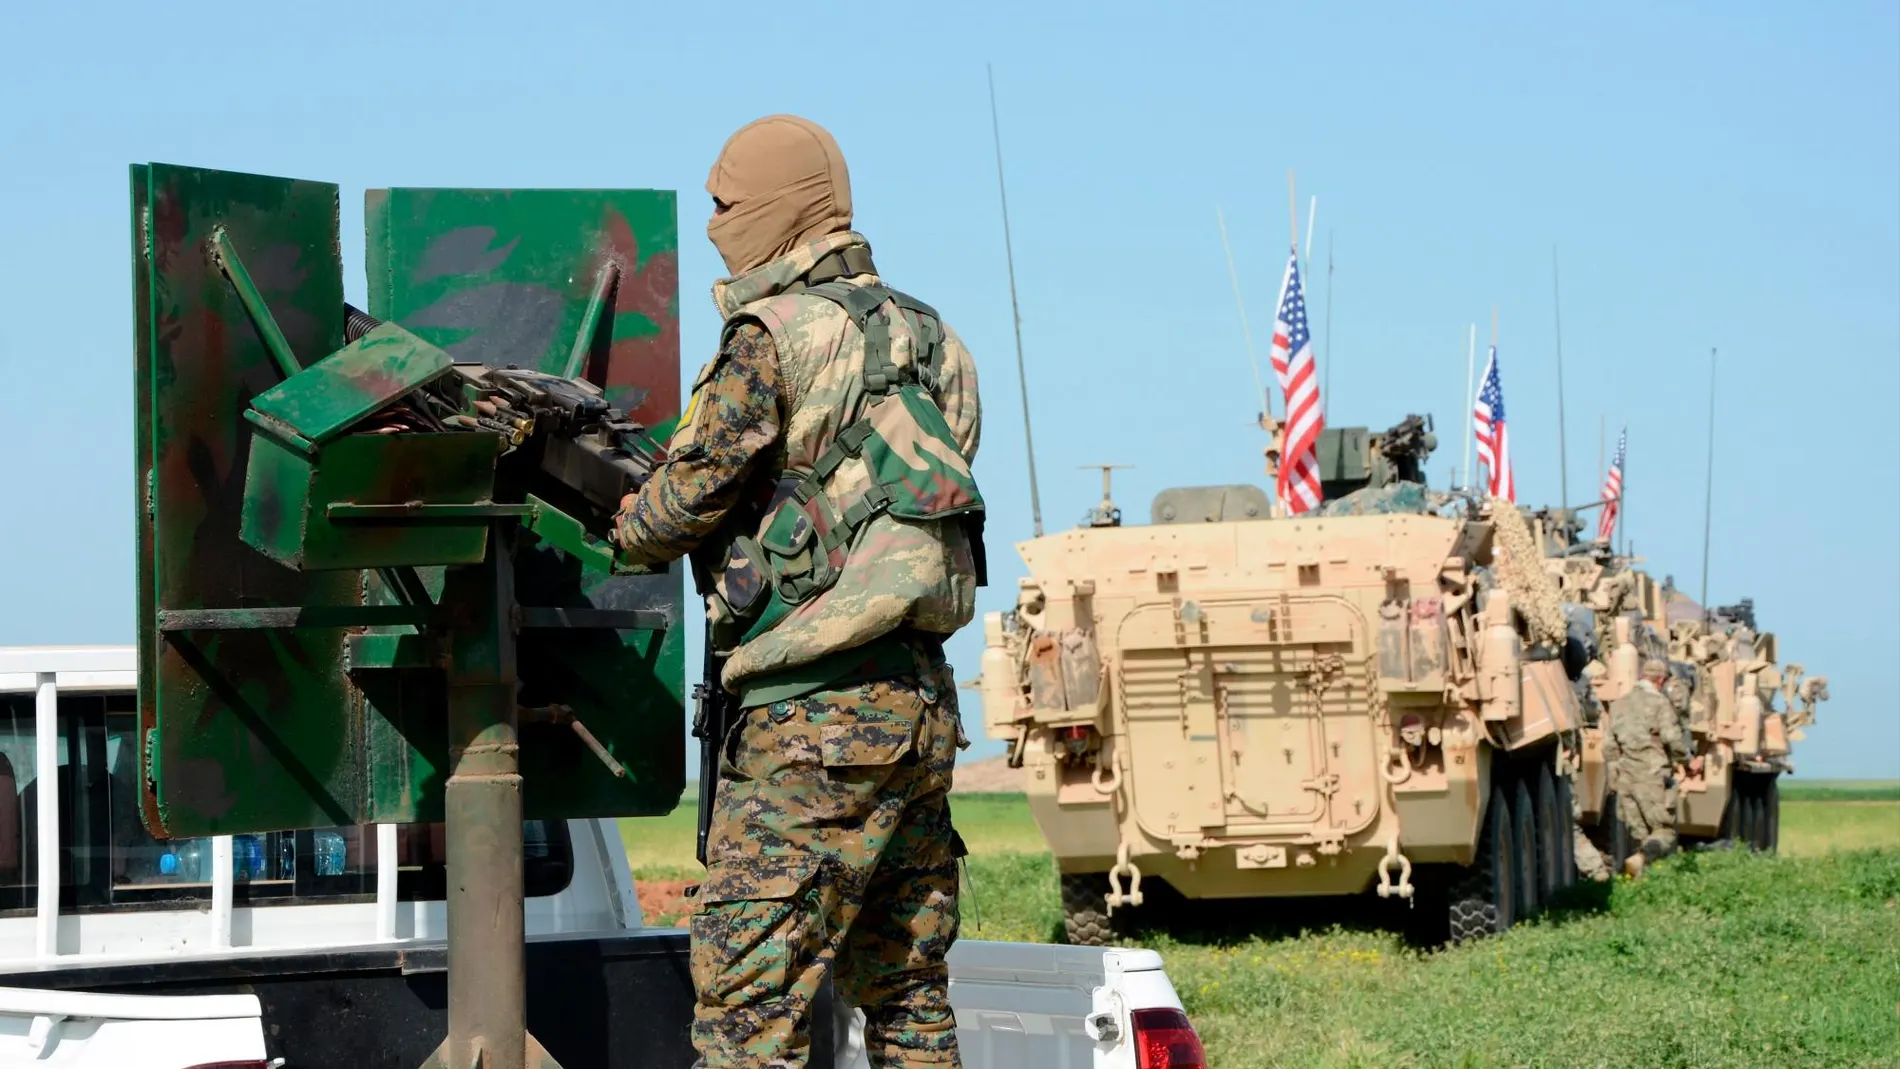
(1042, 1006)
(82, 1030)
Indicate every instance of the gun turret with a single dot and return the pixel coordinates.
(1353, 458)
(1742, 612)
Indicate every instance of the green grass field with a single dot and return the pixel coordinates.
(1841, 790)
(1717, 959)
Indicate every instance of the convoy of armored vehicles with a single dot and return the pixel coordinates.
(1402, 691)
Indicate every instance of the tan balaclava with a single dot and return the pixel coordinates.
(783, 182)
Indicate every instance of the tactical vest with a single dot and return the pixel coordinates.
(879, 533)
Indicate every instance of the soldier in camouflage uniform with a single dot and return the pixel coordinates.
(1644, 745)
(820, 480)
(1591, 864)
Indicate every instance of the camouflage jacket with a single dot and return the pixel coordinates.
(787, 379)
(1645, 729)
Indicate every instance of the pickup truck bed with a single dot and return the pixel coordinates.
(617, 1001)
(359, 981)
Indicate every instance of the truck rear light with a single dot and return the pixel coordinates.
(1164, 1039)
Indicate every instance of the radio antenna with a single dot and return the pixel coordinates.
(1471, 399)
(1708, 489)
(1240, 303)
(1326, 398)
(1563, 457)
(1015, 309)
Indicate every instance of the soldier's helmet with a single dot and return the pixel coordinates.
(1654, 669)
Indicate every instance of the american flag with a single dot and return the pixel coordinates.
(1494, 440)
(1298, 487)
(1613, 490)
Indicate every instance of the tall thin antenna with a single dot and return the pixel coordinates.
(1327, 397)
(1471, 401)
(1259, 385)
(1563, 456)
(1708, 489)
(1312, 209)
(1015, 309)
(1602, 426)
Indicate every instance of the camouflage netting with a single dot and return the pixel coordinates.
(1396, 499)
(1533, 592)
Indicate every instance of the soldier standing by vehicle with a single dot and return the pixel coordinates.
(1647, 736)
(820, 479)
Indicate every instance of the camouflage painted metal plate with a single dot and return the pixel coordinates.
(245, 729)
(580, 281)
(260, 710)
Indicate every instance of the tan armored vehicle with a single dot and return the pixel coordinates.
(1742, 710)
(1242, 705)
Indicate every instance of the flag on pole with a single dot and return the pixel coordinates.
(1613, 490)
(1494, 440)
(1298, 485)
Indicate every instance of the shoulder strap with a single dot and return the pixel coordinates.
(865, 306)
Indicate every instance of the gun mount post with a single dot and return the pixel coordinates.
(483, 834)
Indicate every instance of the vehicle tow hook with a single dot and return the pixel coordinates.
(1124, 868)
(1393, 859)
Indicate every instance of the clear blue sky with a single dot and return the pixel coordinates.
(1712, 174)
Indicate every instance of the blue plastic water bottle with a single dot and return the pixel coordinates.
(331, 853)
(190, 861)
(247, 857)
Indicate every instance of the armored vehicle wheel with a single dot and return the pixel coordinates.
(1551, 828)
(1615, 835)
(1729, 834)
(1771, 815)
(1085, 919)
(1526, 861)
(1566, 838)
(1747, 818)
(1484, 900)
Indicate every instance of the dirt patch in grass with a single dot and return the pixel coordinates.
(663, 903)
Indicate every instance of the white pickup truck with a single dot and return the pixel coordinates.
(325, 949)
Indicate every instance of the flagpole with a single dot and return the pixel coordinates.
(1708, 489)
(1240, 302)
(1471, 399)
(1622, 531)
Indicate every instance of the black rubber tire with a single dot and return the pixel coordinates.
(1748, 821)
(1729, 834)
(1771, 815)
(1757, 818)
(1085, 920)
(1550, 833)
(1567, 838)
(1530, 847)
(1617, 835)
(1484, 899)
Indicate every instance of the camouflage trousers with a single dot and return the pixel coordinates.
(830, 851)
(1590, 862)
(1646, 805)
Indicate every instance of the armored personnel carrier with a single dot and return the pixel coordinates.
(1239, 704)
(1742, 711)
